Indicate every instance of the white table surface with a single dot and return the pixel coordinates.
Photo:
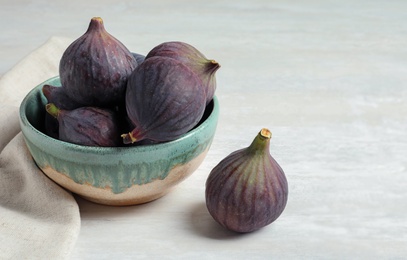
(328, 78)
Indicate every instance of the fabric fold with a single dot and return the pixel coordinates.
(38, 218)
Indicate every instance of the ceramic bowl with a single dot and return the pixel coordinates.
(114, 175)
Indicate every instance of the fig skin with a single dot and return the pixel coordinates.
(94, 68)
(139, 57)
(164, 100)
(57, 96)
(248, 189)
(193, 59)
(88, 126)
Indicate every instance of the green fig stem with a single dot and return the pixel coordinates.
(261, 142)
(212, 66)
(214, 62)
(52, 109)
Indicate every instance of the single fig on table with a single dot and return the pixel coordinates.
(193, 59)
(164, 99)
(57, 96)
(95, 67)
(89, 126)
(247, 190)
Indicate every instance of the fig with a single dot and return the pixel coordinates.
(89, 126)
(193, 59)
(248, 189)
(57, 96)
(164, 99)
(94, 68)
(139, 57)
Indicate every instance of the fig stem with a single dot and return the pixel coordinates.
(128, 138)
(96, 23)
(265, 133)
(98, 19)
(212, 66)
(134, 136)
(261, 142)
(52, 109)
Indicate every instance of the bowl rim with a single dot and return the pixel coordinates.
(98, 149)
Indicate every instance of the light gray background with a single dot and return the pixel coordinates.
(328, 78)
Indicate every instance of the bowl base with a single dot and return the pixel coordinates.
(136, 194)
(124, 202)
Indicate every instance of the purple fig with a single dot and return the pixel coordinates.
(164, 99)
(139, 57)
(247, 190)
(193, 59)
(95, 67)
(89, 126)
(57, 96)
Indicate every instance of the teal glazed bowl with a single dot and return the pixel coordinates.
(115, 176)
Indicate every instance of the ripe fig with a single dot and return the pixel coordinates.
(164, 99)
(139, 57)
(247, 190)
(193, 59)
(89, 126)
(95, 67)
(57, 96)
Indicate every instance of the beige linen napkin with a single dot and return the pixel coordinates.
(38, 219)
